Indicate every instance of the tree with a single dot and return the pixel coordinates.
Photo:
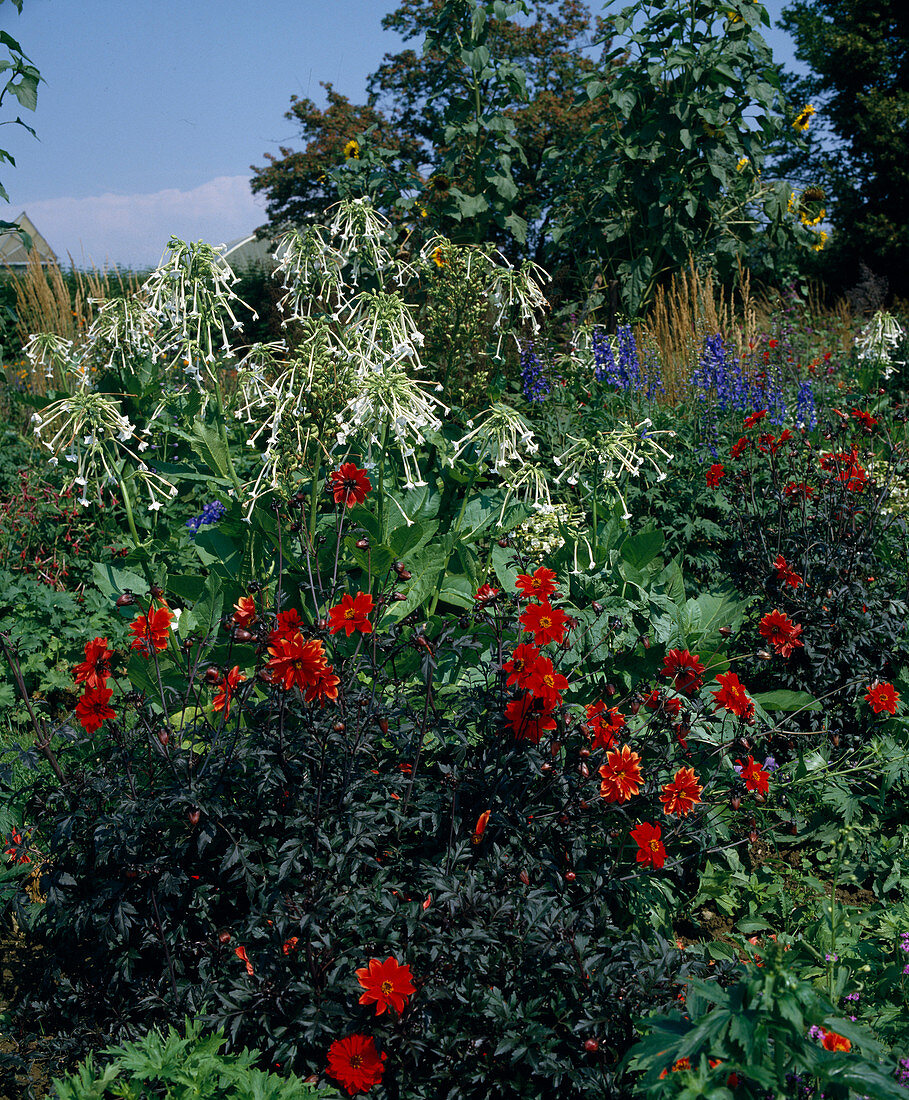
(460, 130)
(22, 82)
(858, 51)
(674, 169)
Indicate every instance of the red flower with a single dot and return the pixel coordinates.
(480, 827)
(287, 624)
(785, 574)
(798, 489)
(324, 686)
(152, 630)
(539, 586)
(290, 946)
(521, 665)
(732, 697)
(621, 775)
(529, 718)
(296, 662)
(604, 724)
(240, 952)
(682, 793)
(227, 689)
(349, 485)
(832, 1041)
(865, 419)
(545, 683)
(738, 449)
(684, 669)
(356, 1062)
(351, 614)
(386, 983)
(95, 669)
(714, 474)
(756, 779)
(847, 468)
(546, 623)
(657, 701)
(882, 697)
(244, 611)
(13, 852)
(774, 343)
(485, 594)
(93, 708)
(651, 850)
(755, 418)
(781, 632)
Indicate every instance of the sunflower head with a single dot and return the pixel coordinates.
(440, 184)
(803, 118)
(352, 150)
(814, 193)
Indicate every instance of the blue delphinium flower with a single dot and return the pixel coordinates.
(629, 367)
(604, 365)
(533, 380)
(211, 513)
(805, 408)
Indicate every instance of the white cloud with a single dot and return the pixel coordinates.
(133, 230)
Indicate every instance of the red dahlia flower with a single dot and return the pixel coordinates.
(739, 448)
(290, 947)
(714, 474)
(651, 850)
(244, 611)
(684, 669)
(356, 1063)
(832, 1041)
(604, 724)
(240, 952)
(621, 775)
(351, 614)
(529, 718)
(93, 708)
(545, 683)
(540, 585)
(480, 827)
(785, 574)
(755, 418)
(781, 632)
(656, 700)
(546, 623)
(386, 984)
(732, 697)
(349, 485)
(95, 669)
(882, 697)
(296, 662)
(794, 489)
(521, 665)
(324, 686)
(485, 594)
(151, 631)
(866, 420)
(756, 779)
(227, 689)
(287, 623)
(682, 793)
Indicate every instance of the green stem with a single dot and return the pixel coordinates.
(222, 432)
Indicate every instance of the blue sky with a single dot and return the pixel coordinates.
(152, 112)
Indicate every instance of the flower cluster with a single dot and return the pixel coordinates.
(211, 513)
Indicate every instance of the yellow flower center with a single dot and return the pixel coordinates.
(387, 988)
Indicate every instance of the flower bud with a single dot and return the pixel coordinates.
(591, 1045)
(223, 936)
(525, 878)
(212, 675)
(570, 876)
(362, 544)
(126, 600)
(193, 816)
(241, 635)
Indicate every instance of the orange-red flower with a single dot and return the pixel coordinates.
(521, 664)
(356, 1062)
(480, 827)
(755, 418)
(485, 594)
(290, 946)
(13, 851)
(386, 984)
(682, 793)
(529, 718)
(651, 850)
(151, 630)
(296, 662)
(93, 708)
(351, 614)
(540, 585)
(621, 775)
(781, 632)
(738, 449)
(95, 669)
(785, 574)
(656, 700)
(732, 697)
(349, 485)
(684, 669)
(714, 474)
(832, 1041)
(287, 623)
(882, 697)
(240, 952)
(227, 689)
(324, 686)
(866, 420)
(244, 611)
(545, 622)
(604, 724)
(756, 779)
(545, 683)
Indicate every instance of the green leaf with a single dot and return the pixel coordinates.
(641, 549)
(787, 700)
(208, 445)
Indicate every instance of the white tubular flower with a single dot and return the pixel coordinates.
(190, 295)
(51, 353)
(878, 340)
(90, 431)
(503, 438)
(256, 371)
(612, 454)
(311, 273)
(387, 401)
(361, 234)
(122, 331)
(517, 296)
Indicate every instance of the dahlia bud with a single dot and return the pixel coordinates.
(193, 816)
(126, 600)
(362, 544)
(525, 878)
(570, 876)
(241, 635)
(591, 1045)
(212, 675)
(725, 631)
(223, 936)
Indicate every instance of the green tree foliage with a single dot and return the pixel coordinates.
(460, 130)
(673, 168)
(858, 52)
(22, 80)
